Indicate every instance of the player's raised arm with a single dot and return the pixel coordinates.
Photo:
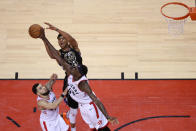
(48, 51)
(84, 86)
(66, 35)
(54, 52)
(51, 82)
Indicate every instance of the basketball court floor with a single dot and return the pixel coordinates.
(114, 36)
(140, 105)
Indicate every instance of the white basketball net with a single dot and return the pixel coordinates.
(175, 27)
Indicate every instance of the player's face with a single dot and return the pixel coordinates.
(74, 70)
(62, 42)
(42, 90)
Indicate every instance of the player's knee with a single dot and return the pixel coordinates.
(73, 112)
(72, 115)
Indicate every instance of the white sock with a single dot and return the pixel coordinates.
(73, 129)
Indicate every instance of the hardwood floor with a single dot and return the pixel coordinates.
(114, 36)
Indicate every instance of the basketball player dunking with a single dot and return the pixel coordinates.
(71, 54)
(50, 118)
(92, 110)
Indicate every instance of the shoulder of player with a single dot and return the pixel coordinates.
(75, 50)
(83, 85)
(82, 82)
(83, 79)
(69, 76)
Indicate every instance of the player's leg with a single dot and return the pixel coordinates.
(71, 115)
(62, 125)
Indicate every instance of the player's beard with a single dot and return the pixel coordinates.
(46, 93)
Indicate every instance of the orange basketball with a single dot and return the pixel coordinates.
(35, 30)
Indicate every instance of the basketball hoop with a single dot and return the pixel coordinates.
(175, 18)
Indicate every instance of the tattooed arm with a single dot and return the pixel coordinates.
(84, 86)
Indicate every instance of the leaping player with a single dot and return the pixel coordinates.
(70, 52)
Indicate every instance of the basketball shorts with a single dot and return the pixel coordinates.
(93, 116)
(55, 125)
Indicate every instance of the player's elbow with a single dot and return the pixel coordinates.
(51, 56)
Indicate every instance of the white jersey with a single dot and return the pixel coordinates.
(90, 113)
(75, 92)
(48, 115)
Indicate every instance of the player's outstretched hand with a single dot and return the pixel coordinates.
(51, 27)
(113, 120)
(54, 76)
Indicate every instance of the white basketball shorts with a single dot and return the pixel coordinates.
(55, 125)
(92, 115)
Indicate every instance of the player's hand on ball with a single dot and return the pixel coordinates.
(50, 26)
(113, 120)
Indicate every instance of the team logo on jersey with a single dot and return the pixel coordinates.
(70, 57)
(99, 122)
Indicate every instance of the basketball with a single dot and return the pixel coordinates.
(35, 30)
